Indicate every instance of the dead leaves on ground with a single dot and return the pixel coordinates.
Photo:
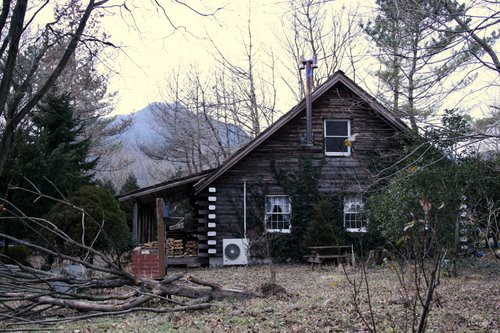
(320, 301)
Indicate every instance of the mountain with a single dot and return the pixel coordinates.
(150, 126)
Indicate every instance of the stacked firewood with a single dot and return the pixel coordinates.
(150, 245)
(175, 247)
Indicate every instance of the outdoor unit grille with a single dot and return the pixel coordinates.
(235, 251)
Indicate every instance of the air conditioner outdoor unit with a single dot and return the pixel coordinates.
(235, 251)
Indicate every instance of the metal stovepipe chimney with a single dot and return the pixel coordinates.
(309, 66)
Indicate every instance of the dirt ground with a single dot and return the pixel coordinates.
(321, 301)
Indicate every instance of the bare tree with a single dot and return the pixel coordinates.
(25, 48)
(195, 128)
(18, 93)
(211, 115)
(417, 261)
(248, 89)
(320, 28)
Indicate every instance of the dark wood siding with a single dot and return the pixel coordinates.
(339, 174)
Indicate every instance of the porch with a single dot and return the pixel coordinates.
(184, 244)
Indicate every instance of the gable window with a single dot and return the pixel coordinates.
(278, 211)
(355, 219)
(336, 132)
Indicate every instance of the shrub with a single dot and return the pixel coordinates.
(100, 210)
(325, 227)
(16, 254)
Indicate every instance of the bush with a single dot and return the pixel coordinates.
(325, 227)
(285, 248)
(16, 254)
(100, 209)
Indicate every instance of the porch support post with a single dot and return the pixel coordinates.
(160, 229)
(135, 222)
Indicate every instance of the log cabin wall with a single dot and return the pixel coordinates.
(285, 147)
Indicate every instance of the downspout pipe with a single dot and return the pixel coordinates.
(244, 208)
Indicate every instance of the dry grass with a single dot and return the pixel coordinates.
(321, 301)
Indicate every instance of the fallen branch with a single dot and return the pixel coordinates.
(194, 307)
(96, 288)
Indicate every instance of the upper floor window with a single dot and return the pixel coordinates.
(336, 133)
(355, 219)
(278, 211)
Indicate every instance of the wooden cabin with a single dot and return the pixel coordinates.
(341, 111)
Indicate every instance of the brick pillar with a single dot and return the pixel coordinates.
(145, 263)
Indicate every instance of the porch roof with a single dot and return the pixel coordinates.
(174, 189)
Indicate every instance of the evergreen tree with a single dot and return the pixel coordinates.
(416, 57)
(445, 175)
(107, 184)
(130, 184)
(51, 155)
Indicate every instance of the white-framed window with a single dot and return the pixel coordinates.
(336, 131)
(355, 218)
(278, 210)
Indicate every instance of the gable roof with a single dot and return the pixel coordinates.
(338, 77)
(203, 179)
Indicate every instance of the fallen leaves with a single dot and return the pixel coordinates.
(320, 301)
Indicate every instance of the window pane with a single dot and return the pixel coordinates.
(277, 209)
(277, 212)
(354, 217)
(269, 205)
(336, 145)
(285, 205)
(336, 127)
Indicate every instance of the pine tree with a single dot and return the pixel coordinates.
(50, 154)
(130, 184)
(107, 184)
(415, 55)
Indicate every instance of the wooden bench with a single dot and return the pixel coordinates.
(319, 254)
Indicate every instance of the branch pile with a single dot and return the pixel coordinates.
(28, 294)
(87, 282)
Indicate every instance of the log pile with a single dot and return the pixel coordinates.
(176, 248)
(150, 245)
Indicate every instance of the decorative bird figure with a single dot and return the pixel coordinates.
(349, 141)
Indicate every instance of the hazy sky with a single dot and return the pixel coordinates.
(150, 54)
(151, 49)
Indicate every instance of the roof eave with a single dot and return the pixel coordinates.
(133, 195)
